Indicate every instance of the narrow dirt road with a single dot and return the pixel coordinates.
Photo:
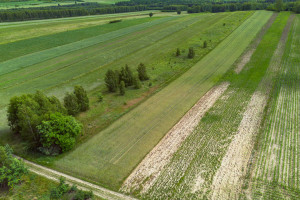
(84, 185)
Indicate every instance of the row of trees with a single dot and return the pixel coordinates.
(62, 11)
(44, 123)
(115, 80)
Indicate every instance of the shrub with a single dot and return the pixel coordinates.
(137, 83)
(142, 72)
(115, 21)
(59, 131)
(70, 103)
(178, 12)
(126, 76)
(151, 14)
(122, 88)
(112, 80)
(100, 97)
(191, 53)
(11, 169)
(204, 44)
(178, 52)
(82, 98)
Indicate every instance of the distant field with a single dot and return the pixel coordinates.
(36, 3)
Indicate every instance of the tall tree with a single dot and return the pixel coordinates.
(142, 72)
(279, 5)
(122, 88)
(82, 98)
(191, 53)
(112, 80)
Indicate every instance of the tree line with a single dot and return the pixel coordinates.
(44, 123)
(64, 11)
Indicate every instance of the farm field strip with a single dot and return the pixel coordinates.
(166, 107)
(277, 163)
(34, 58)
(248, 54)
(31, 29)
(148, 170)
(192, 169)
(228, 180)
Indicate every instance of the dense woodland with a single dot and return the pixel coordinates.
(192, 6)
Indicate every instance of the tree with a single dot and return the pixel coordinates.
(112, 80)
(137, 83)
(82, 98)
(178, 52)
(122, 88)
(191, 53)
(126, 76)
(11, 169)
(279, 5)
(204, 44)
(142, 72)
(71, 104)
(178, 12)
(151, 14)
(29, 110)
(59, 132)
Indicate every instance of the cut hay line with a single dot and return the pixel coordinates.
(149, 169)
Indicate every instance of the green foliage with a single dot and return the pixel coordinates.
(205, 44)
(26, 112)
(151, 14)
(63, 190)
(178, 52)
(70, 103)
(142, 72)
(112, 80)
(11, 169)
(100, 97)
(126, 76)
(296, 8)
(178, 12)
(82, 98)
(279, 5)
(122, 88)
(59, 132)
(191, 53)
(137, 83)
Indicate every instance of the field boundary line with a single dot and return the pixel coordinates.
(84, 185)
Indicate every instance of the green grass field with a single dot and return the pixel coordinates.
(114, 152)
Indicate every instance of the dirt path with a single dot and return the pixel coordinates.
(144, 176)
(84, 185)
(247, 56)
(228, 180)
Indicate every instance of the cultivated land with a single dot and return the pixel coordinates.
(223, 125)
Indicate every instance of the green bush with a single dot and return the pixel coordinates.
(112, 80)
(100, 97)
(26, 112)
(178, 52)
(82, 98)
(70, 103)
(122, 88)
(126, 76)
(59, 131)
(142, 72)
(11, 169)
(191, 53)
(137, 83)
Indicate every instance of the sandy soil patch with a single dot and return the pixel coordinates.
(227, 181)
(144, 176)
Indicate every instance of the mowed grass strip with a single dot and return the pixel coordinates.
(193, 167)
(110, 156)
(34, 58)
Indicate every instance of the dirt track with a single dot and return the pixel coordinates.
(84, 185)
(144, 176)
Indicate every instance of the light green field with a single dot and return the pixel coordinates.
(276, 171)
(109, 156)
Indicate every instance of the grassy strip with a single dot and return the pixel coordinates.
(113, 153)
(191, 171)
